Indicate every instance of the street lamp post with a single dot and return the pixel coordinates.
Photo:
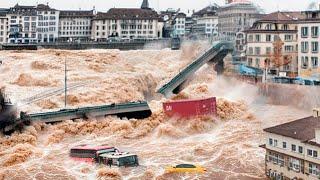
(65, 83)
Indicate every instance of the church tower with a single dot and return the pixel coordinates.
(145, 4)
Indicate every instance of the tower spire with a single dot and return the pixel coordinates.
(145, 4)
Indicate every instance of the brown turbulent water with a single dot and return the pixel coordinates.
(226, 145)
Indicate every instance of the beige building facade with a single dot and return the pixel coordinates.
(292, 150)
(262, 38)
(309, 39)
(127, 24)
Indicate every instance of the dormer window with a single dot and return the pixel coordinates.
(285, 27)
(269, 26)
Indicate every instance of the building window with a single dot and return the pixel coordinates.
(275, 158)
(270, 141)
(288, 37)
(304, 31)
(258, 65)
(304, 47)
(250, 64)
(268, 26)
(268, 38)
(314, 61)
(250, 51)
(257, 50)
(250, 38)
(294, 164)
(284, 145)
(314, 169)
(312, 153)
(300, 149)
(314, 31)
(304, 62)
(293, 147)
(285, 27)
(315, 47)
(288, 48)
(257, 38)
(268, 50)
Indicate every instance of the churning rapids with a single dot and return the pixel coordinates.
(227, 145)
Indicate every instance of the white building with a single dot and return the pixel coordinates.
(180, 24)
(75, 25)
(206, 21)
(48, 21)
(127, 23)
(22, 24)
(292, 149)
(308, 41)
(3, 26)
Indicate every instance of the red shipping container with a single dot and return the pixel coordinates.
(190, 108)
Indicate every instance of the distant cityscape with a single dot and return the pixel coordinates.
(44, 24)
(282, 44)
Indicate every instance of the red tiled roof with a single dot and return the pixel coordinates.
(302, 129)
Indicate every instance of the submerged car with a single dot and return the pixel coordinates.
(182, 168)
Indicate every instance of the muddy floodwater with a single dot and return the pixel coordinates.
(226, 145)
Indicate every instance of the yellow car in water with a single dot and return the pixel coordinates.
(185, 168)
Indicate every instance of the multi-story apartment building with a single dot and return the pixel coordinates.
(75, 25)
(22, 24)
(127, 23)
(48, 23)
(180, 24)
(262, 38)
(308, 41)
(3, 26)
(206, 21)
(237, 16)
(292, 149)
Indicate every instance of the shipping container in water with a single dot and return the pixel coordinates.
(190, 108)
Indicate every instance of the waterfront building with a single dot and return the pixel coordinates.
(4, 26)
(206, 21)
(308, 45)
(48, 23)
(75, 25)
(277, 27)
(237, 16)
(127, 23)
(292, 149)
(22, 24)
(180, 24)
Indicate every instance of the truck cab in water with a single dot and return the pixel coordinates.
(119, 159)
(89, 154)
(175, 43)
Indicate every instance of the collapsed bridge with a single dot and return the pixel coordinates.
(215, 54)
(138, 110)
